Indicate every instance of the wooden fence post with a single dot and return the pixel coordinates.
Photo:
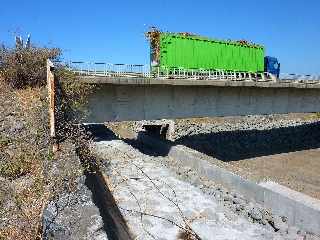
(52, 101)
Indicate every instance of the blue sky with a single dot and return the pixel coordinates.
(112, 31)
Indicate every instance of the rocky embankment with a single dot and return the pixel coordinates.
(42, 195)
(74, 215)
(244, 137)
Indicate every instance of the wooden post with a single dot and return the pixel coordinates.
(52, 107)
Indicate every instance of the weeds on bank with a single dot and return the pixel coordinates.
(313, 116)
(16, 168)
(4, 141)
(22, 82)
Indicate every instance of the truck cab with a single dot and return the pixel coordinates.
(272, 65)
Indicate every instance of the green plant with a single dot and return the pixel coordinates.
(4, 141)
(50, 155)
(73, 93)
(17, 167)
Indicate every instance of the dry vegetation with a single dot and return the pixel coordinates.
(23, 153)
(153, 35)
(30, 174)
(21, 67)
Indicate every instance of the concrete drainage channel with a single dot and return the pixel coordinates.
(158, 205)
(137, 194)
(298, 210)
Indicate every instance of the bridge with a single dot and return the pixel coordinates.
(132, 92)
(125, 93)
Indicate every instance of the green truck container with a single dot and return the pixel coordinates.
(173, 50)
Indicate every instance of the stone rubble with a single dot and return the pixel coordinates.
(74, 216)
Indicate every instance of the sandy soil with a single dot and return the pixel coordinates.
(297, 170)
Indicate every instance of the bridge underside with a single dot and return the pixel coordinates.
(148, 102)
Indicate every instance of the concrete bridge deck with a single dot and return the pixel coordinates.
(141, 98)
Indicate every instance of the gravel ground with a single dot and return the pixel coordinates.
(155, 199)
(195, 126)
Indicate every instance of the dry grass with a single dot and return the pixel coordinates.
(22, 162)
(153, 35)
(22, 67)
(26, 163)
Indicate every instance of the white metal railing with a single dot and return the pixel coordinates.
(109, 69)
(202, 74)
(139, 70)
(301, 78)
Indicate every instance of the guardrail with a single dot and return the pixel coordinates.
(109, 69)
(299, 77)
(203, 74)
(140, 70)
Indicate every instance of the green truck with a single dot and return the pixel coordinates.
(170, 51)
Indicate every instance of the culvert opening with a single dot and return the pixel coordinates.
(157, 131)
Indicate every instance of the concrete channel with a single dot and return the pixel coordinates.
(158, 204)
(301, 210)
(141, 194)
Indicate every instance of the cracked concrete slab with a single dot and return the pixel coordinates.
(157, 205)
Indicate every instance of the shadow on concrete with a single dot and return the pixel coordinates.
(155, 146)
(228, 145)
(99, 132)
(237, 145)
(113, 222)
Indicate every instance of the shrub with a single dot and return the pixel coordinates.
(72, 94)
(21, 67)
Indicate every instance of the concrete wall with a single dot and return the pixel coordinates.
(146, 102)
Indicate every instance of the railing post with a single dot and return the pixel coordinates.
(52, 105)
